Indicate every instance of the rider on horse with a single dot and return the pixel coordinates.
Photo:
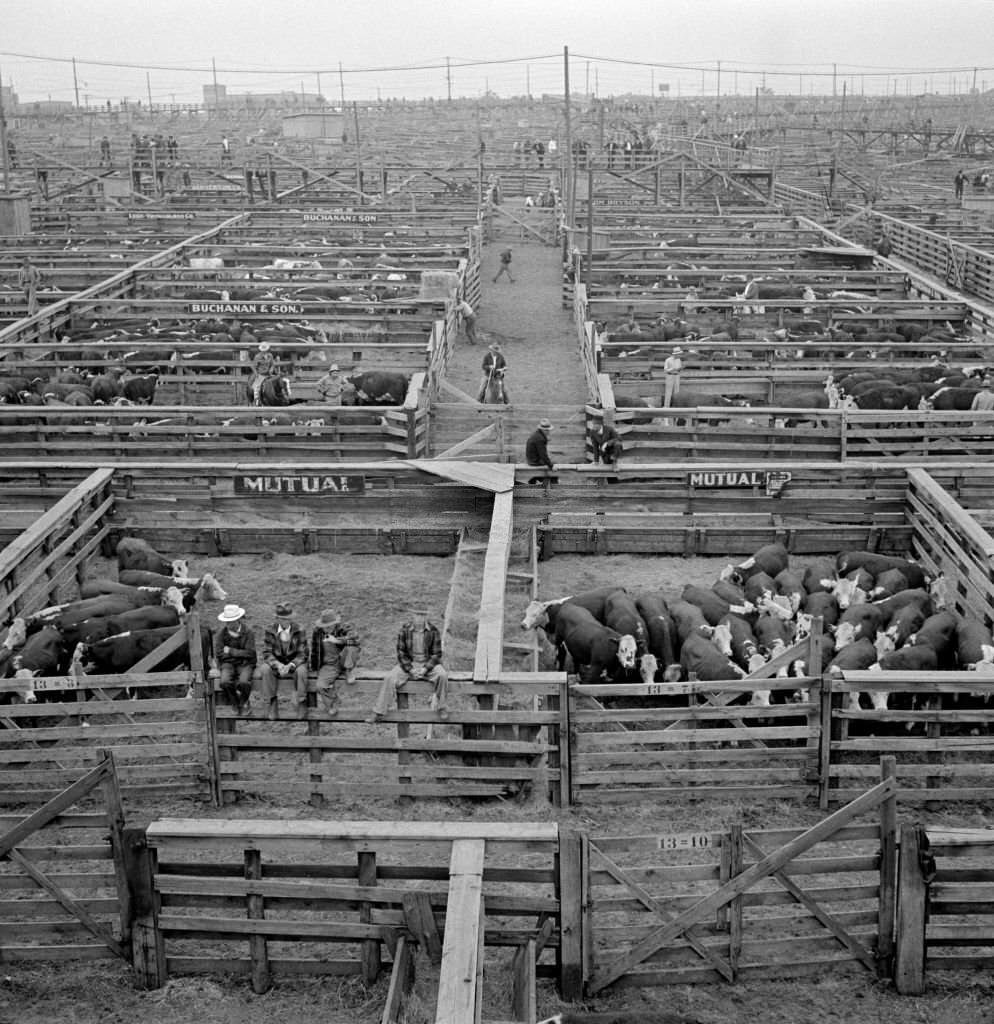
(263, 365)
(494, 366)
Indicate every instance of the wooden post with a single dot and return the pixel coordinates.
(888, 873)
(403, 732)
(116, 824)
(909, 959)
(570, 885)
(148, 954)
(825, 751)
(204, 689)
(419, 920)
(370, 947)
(734, 838)
(401, 982)
(524, 996)
(256, 911)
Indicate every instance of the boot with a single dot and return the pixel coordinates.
(274, 711)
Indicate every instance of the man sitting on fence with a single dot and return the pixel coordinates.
(263, 365)
(334, 653)
(234, 657)
(284, 656)
(419, 656)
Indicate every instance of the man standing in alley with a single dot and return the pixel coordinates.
(672, 368)
(505, 266)
(983, 401)
(29, 281)
(468, 314)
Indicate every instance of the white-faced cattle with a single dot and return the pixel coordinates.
(134, 553)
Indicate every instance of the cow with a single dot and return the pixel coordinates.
(622, 615)
(593, 647)
(887, 584)
(105, 387)
(904, 623)
(759, 586)
(116, 654)
(204, 587)
(820, 605)
(861, 621)
(42, 654)
(661, 635)
(938, 631)
(852, 589)
(819, 575)
(974, 646)
(375, 387)
(790, 584)
(140, 389)
(90, 630)
(67, 616)
(688, 620)
(874, 564)
(889, 398)
(950, 399)
(714, 608)
(771, 559)
(854, 657)
(133, 553)
(701, 659)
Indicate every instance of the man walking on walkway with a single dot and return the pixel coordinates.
(505, 266)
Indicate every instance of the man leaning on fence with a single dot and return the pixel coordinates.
(419, 656)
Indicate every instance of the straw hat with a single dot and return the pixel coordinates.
(231, 613)
(678, 351)
(544, 425)
(329, 617)
(265, 346)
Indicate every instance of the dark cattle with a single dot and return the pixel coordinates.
(133, 553)
(855, 657)
(622, 615)
(117, 654)
(904, 397)
(67, 615)
(377, 387)
(822, 606)
(700, 659)
(592, 600)
(875, 564)
(140, 390)
(688, 619)
(861, 621)
(43, 654)
(713, 607)
(771, 559)
(974, 646)
(952, 399)
(887, 584)
(913, 658)
(275, 392)
(938, 631)
(661, 635)
(791, 585)
(592, 646)
(90, 630)
(904, 623)
(819, 575)
(105, 388)
(745, 651)
(758, 586)
(729, 591)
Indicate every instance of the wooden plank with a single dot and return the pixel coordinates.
(490, 633)
(483, 434)
(420, 922)
(255, 910)
(571, 928)
(909, 952)
(457, 981)
(371, 947)
(401, 982)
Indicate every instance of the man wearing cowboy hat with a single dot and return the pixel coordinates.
(493, 363)
(419, 656)
(334, 653)
(284, 656)
(263, 366)
(234, 657)
(672, 368)
(537, 446)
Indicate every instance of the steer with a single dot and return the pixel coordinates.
(859, 622)
(622, 615)
(887, 584)
(875, 564)
(43, 654)
(133, 553)
(856, 656)
(701, 659)
(376, 387)
(975, 646)
(141, 389)
(661, 635)
(592, 646)
(90, 630)
(204, 588)
(592, 600)
(771, 559)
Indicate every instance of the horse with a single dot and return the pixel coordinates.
(275, 391)
(494, 392)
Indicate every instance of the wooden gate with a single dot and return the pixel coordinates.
(741, 904)
(59, 897)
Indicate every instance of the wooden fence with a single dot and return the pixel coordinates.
(274, 899)
(496, 743)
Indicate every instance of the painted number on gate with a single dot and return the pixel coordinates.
(69, 683)
(686, 841)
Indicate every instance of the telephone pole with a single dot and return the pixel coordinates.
(341, 84)
(148, 88)
(75, 81)
(448, 78)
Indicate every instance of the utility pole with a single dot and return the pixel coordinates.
(75, 81)
(358, 153)
(341, 85)
(835, 71)
(570, 183)
(318, 76)
(214, 73)
(448, 78)
(3, 143)
(717, 94)
(148, 88)
(973, 88)
(587, 89)
(528, 81)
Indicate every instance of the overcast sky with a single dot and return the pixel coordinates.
(616, 46)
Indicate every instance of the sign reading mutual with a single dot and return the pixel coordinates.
(772, 483)
(264, 485)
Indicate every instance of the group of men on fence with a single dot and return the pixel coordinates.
(332, 652)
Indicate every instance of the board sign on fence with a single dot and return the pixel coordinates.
(68, 683)
(212, 308)
(160, 215)
(772, 482)
(340, 217)
(318, 483)
(685, 841)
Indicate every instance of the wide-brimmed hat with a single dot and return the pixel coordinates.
(333, 367)
(265, 346)
(544, 425)
(231, 613)
(329, 617)
(283, 610)
(678, 351)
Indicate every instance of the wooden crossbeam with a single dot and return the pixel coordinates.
(458, 992)
(468, 442)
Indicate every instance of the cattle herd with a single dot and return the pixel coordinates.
(876, 612)
(113, 625)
